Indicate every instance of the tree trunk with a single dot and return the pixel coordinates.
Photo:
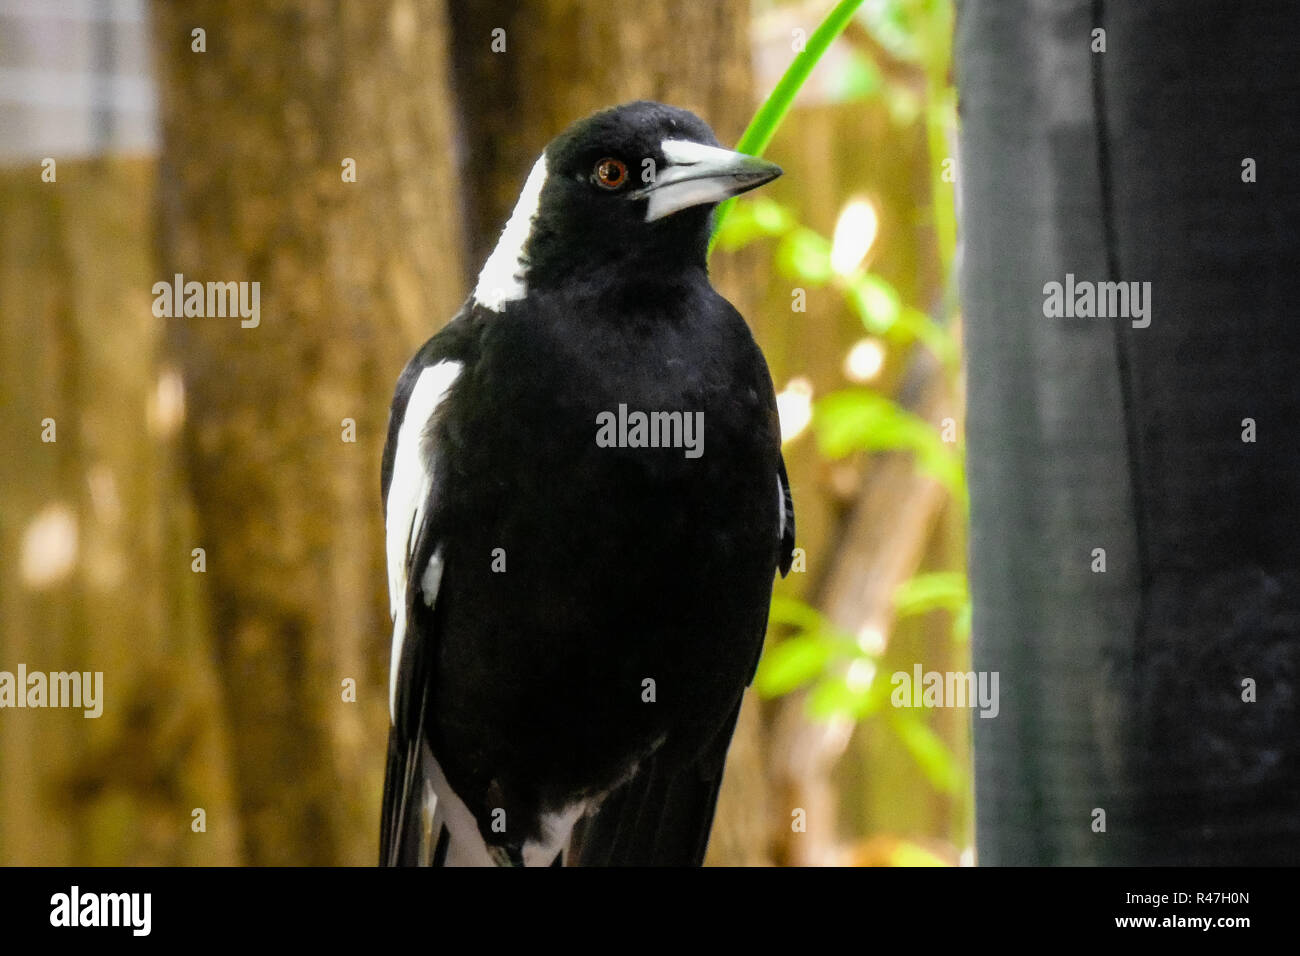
(94, 541)
(1128, 691)
(353, 275)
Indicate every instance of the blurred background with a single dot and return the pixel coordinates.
(192, 507)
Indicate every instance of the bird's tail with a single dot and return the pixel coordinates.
(658, 818)
(424, 823)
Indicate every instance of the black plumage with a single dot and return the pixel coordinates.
(567, 574)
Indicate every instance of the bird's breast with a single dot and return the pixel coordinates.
(610, 545)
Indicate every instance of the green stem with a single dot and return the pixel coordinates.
(758, 134)
(939, 113)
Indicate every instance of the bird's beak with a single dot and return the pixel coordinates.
(698, 174)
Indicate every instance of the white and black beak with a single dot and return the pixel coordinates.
(696, 174)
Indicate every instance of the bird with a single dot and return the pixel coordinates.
(585, 507)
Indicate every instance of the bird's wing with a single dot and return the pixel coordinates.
(410, 496)
(662, 819)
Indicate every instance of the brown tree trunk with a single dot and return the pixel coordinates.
(353, 275)
(94, 541)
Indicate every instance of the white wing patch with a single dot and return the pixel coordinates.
(503, 277)
(408, 493)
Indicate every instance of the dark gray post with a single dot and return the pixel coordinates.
(1162, 690)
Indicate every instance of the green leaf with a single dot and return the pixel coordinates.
(905, 853)
(875, 300)
(929, 751)
(833, 697)
(792, 663)
(947, 590)
(961, 627)
(771, 216)
(917, 325)
(927, 592)
(754, 219)
(904, 105)
(943, 465)
(860, 420)
(859, 79)
(805, 255)
(796, 613)
(892, 23)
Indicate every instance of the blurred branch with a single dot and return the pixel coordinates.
(898, 504)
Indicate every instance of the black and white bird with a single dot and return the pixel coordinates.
(585, 506)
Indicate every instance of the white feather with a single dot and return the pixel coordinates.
(408, 492)
(504, 275)
(780, 508)
(465, 844)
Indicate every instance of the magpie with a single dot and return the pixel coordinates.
(585, 506)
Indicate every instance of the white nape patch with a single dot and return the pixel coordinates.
(408, 492)
(780, 508)
(503, 277)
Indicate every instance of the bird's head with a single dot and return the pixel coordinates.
(632, 187)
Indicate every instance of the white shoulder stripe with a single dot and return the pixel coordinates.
(408, 493)
(503, 277)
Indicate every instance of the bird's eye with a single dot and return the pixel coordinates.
(610, 173)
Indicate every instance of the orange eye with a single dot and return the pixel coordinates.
(610, 173)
